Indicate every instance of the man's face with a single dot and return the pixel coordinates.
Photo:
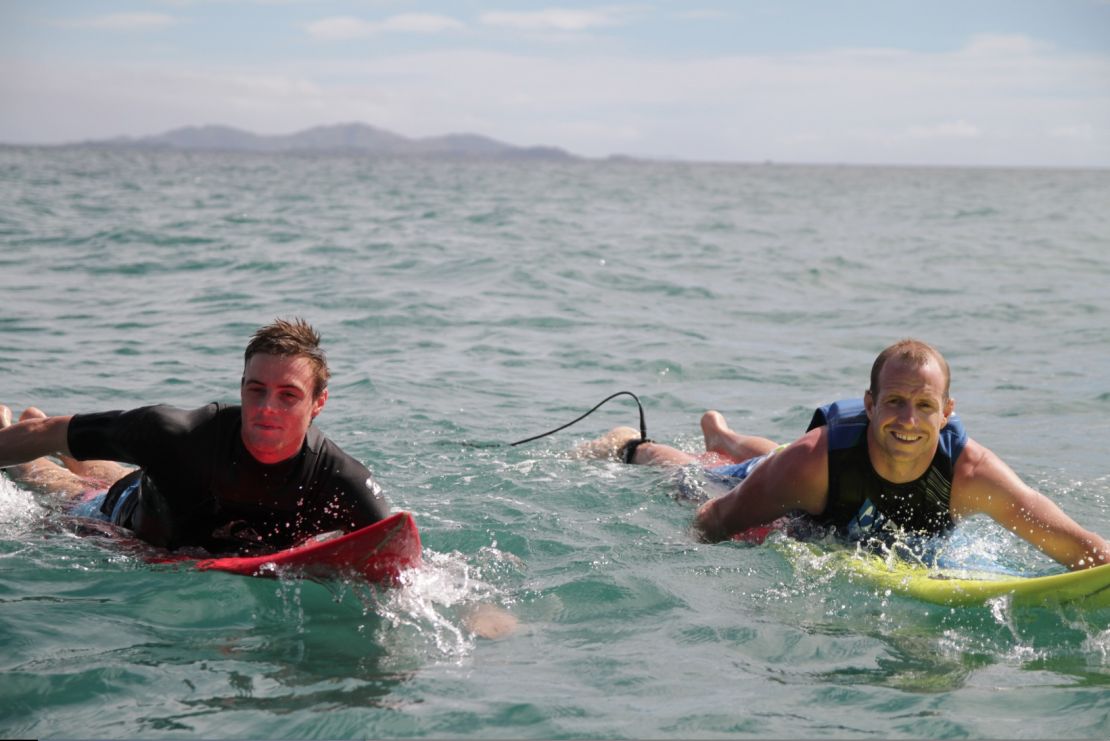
(278, 405)
(906, 416)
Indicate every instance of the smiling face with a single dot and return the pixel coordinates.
(907, 414)
(278, 405)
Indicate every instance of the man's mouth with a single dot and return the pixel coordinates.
(905, 438)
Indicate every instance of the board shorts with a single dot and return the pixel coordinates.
(733, 473)
(692, 480)
(90, 504)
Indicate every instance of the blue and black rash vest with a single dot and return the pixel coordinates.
(861, 503)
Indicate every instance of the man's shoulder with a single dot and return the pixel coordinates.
(980, 470)
(172, 410)
(332, 469)
(182, 419)
(815, 442)
(807, 455)
(983, 482)
(973, 461)
(328, 450)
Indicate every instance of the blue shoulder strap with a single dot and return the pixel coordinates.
(953, 437)
(847, 422)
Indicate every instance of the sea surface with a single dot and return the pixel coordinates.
(467, 305)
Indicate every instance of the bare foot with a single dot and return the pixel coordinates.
(608, 446)
(32, 413)
(724, 441)
(716, 431)
(488, 621)
(5, 417)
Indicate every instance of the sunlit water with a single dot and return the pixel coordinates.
(467, 305)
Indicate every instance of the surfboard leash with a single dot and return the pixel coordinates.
(643, 425)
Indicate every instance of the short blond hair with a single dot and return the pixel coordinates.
(915, 353)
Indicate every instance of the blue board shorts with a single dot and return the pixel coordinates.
(91, 503)
(734, 473)
(691, 484)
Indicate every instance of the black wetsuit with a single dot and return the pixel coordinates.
(199, 486)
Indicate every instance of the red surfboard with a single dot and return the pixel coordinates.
(377, 553)
(756, 535)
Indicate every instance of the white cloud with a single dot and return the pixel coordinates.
(343, 28)
(705, 15)
(123, 22)
(951, 130)
(1004, 45)
(554, 19)
(421, 23)
(1082, 132)
(340, 28)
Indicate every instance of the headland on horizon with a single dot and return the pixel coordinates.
(352, 138)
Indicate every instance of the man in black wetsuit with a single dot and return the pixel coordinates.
(258, 476)
(899, 460)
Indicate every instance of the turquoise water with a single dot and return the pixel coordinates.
(469, 304)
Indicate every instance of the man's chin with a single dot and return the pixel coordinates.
(266, 447)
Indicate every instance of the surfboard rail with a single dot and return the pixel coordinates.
(378, 553)
(957, 587)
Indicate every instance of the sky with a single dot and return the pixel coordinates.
(928, 82)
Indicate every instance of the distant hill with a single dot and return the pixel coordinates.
(352, 137)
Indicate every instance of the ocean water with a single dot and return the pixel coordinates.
(465, 305)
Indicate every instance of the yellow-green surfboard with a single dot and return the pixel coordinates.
(1089, 588)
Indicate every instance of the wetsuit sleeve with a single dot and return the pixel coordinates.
(143, 437)
(114, 436)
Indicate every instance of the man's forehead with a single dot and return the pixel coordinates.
(904, 375)
(294, 370)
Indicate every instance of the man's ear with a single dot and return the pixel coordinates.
(319, 402)
(949, 407)
(868, 403)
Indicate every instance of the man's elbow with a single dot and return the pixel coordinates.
(707, 523)
(1097, 553)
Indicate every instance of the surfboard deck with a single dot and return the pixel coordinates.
(1089, 588)
(377, 553)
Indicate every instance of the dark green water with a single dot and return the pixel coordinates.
(483, 303)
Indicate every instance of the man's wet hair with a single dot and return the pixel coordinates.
(915, 353)
(290, 339)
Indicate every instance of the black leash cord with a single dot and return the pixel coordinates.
(643, 425)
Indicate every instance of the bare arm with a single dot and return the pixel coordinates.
(33, 438)
(985, 484)
(794, 478)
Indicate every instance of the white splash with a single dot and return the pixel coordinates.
(19, 512)
(431, 615)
